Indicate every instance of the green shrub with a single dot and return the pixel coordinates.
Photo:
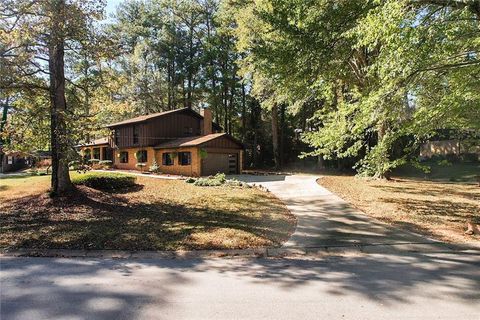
(207, 182)
(217, 180)
(444, 163)
(105, 163)
(94, 161)
(105, 181)
(237, 183)
(190, 180)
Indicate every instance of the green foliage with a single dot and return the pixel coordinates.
(190, 180)
(105, 181)
(217, 180)
(105, 164)
(376, 72)
(203, 153)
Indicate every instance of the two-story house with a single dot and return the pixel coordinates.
(181, 141)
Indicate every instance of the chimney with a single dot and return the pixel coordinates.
(207, 121)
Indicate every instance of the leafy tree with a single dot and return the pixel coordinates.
(34, 38)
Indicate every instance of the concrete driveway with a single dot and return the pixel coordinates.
(326, 220)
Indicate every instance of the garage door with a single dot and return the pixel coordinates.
(220, 162)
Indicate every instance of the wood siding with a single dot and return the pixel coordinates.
(158, 130)
(222, 143)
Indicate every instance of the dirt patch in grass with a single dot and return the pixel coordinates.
(155, 215)
(437, 209)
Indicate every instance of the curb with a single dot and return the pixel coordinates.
(282, 252)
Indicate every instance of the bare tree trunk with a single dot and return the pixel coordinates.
(281, 148)
(244, 113)
(381, 131)
(275, 140)
(58, 132)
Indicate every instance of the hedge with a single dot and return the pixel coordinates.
(105, 181)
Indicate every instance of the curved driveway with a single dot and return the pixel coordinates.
(326, 220)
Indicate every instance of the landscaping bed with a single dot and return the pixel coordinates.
(153, 214)
(436, 208)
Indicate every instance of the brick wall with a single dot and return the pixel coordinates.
(189, 170)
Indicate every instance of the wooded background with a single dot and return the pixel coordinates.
(350, 83)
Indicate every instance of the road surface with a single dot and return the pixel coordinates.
(373, 286)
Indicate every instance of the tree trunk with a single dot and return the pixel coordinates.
(275, 140)
(281, 148)
(244, 113)
(59, 140)
(381, 131)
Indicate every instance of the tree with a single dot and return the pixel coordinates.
(35, 36)
(382, 75)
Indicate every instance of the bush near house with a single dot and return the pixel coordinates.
(105, 164)
(105, 181)
(217, 180)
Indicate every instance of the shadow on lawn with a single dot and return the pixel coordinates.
(432, 189)
(113, 289)
(90, 219)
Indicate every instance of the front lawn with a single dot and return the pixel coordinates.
(155, 214)
(434, 207)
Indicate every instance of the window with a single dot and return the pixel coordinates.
(107, 153)
(117, 137)
(136, 131)
(96, 153)
(188, 131)
(87, 155)
(9, 159)
(124, 157)
(167, 159)
(184, 158)
(142, 156)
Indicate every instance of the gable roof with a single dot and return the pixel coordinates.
(195, 141)
(95, 142)
(160, 114)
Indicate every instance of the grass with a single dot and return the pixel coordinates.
(432, 206)
(457, 172)
(154, 215)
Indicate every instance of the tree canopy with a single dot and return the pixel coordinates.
(352, 83)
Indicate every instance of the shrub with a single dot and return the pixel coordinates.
(190, 180)
(237, 183)
(105, 163)
(105, 181)
(444, 163)
(217, 180)
(94, 161)
(154, 167)
(470, 157)
(207, 182)
(141, 165)
(78, 166)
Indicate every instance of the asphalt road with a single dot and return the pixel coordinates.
(400, 286)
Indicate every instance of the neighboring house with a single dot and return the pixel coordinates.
(181, 141)
(99, 149)
(449, 147)
(12, 161)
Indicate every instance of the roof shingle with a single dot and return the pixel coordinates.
(190, 141)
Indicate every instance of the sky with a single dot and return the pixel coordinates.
(111, 5)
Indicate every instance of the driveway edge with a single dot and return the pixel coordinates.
(281, 252)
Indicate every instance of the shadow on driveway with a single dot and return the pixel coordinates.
(45, 288)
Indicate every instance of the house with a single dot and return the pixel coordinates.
(12, 161)
(181, 141)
